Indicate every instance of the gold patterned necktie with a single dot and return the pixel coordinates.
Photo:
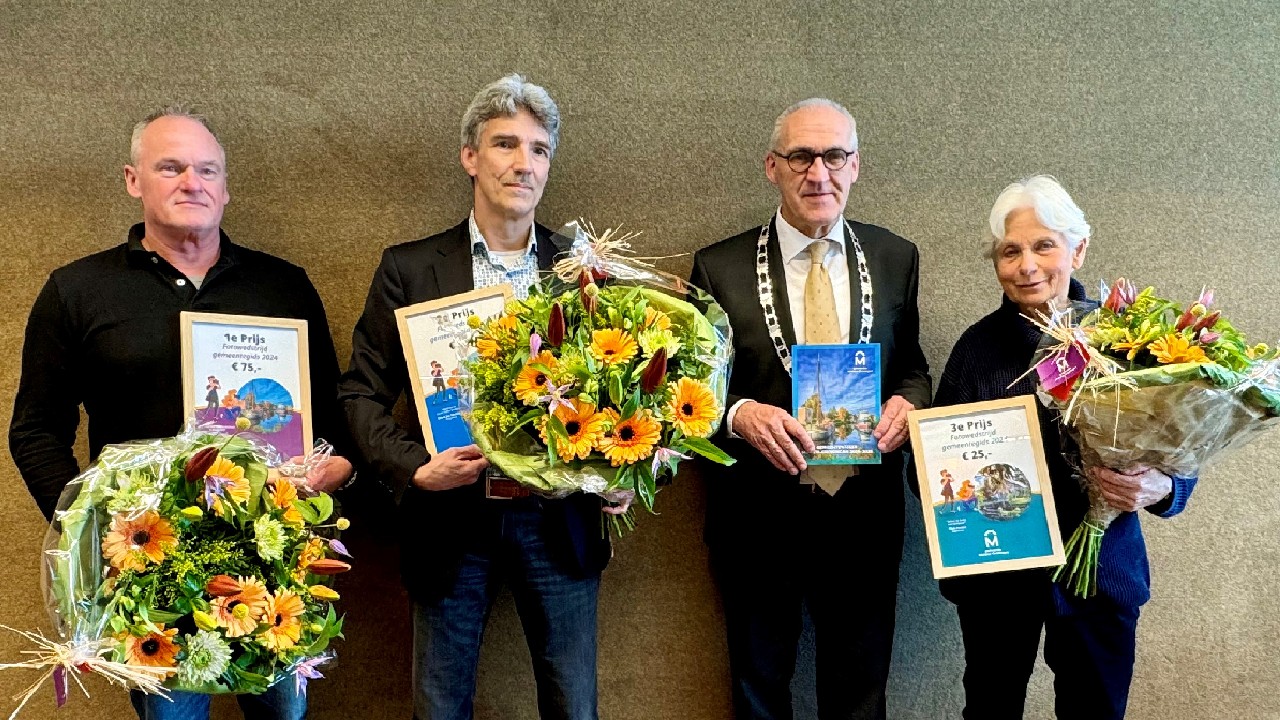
(822, 327)
(821, 323)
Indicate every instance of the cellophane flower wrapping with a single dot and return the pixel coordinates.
(202, 559)
(603, 380)
(1151, 384)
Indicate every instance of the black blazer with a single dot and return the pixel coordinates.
(748, 502)
(436, 527)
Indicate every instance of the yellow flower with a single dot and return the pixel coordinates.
(323, 592)
(283, 493)
(487, 348)
(656, 319)
(237, 487)
(311, 552)
(612, 346)
(693, 408)
(284, 627)
(132, 543)
(631, 440)
(1173, 348)
(531, 383)
(155, 649)
(241, 613)
(582, 424)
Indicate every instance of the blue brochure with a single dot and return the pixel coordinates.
(835, 394)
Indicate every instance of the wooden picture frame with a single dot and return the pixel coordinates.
(996, 512)
(264, 363)
(427, 333)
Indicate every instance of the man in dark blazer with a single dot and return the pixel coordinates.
(782, 535)
(466, 530)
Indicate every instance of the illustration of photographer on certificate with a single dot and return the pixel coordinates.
(984, 488)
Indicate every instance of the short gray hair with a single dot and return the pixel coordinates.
(174, 110)
(776, 137)
(504, 98)
(1053, 207)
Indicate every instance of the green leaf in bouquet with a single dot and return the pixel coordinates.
(310, 515)
(556, 432)
(704, 448)
(323, 505)
(615, 387)
(528, 417)
(646, 485)
(633, 404)
(256, 474)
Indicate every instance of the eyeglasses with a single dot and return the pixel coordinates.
(801, 160)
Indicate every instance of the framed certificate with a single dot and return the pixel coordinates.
(248, 374)
(985, 489)
(835, 394)
(429, 333)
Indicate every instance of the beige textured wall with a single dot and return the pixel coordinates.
(341, 117)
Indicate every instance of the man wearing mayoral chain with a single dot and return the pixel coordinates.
(465, 529)
(115, 315)
(783, 534)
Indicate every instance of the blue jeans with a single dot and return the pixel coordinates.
(557, 610)
(280, 702)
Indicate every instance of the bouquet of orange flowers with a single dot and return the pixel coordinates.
(199, 563)
(603, 380)
(1142, 381)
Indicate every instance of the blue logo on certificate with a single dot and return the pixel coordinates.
(835, 394)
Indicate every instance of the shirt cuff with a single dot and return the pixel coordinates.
(728, 418)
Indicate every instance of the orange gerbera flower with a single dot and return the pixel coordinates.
(1173, 348)
(582, 424)
(235, 486)
(656, 319)
(693, 407)
(531, 383)
(612, 346)
(630, 440)
(283, 493)
(155, 649)
(241, 613)
(506, 323)
(283, 611)
(132, 543)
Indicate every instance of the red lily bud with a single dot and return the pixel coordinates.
(1184, 320)
(655, 372)
(199, 463)
(222, 586)
(1207, 321)
(328, 566)
(555, 326)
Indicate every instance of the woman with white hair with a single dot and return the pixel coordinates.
(1039, 236)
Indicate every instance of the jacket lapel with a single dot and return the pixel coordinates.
(778, 277)
(453, 268)
(855, 285)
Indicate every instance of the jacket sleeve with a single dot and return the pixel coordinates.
(46, 412)
(911, 368)
(374, 381)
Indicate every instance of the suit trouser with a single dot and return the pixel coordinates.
(840, 563)
(1091, 653)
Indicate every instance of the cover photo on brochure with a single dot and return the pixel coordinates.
(835, 394)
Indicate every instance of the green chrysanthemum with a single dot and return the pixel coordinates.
(270, 537)
(207, 657)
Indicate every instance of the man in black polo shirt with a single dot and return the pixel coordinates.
(104, 333)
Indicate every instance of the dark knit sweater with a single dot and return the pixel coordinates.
(984, 363)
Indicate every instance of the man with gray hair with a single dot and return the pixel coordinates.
(115, 315)
(784, 535)
(465, 529)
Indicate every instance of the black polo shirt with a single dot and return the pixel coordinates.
(104, 333)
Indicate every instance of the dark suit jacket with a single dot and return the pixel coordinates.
(436, 527)
(750, 504)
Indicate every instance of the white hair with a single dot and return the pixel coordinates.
(1054, 209)
(776, 137)
(505, 97)
(174, 110)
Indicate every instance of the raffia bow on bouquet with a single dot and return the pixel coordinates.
(1140, 381)
(607, 377)
(198, 563)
